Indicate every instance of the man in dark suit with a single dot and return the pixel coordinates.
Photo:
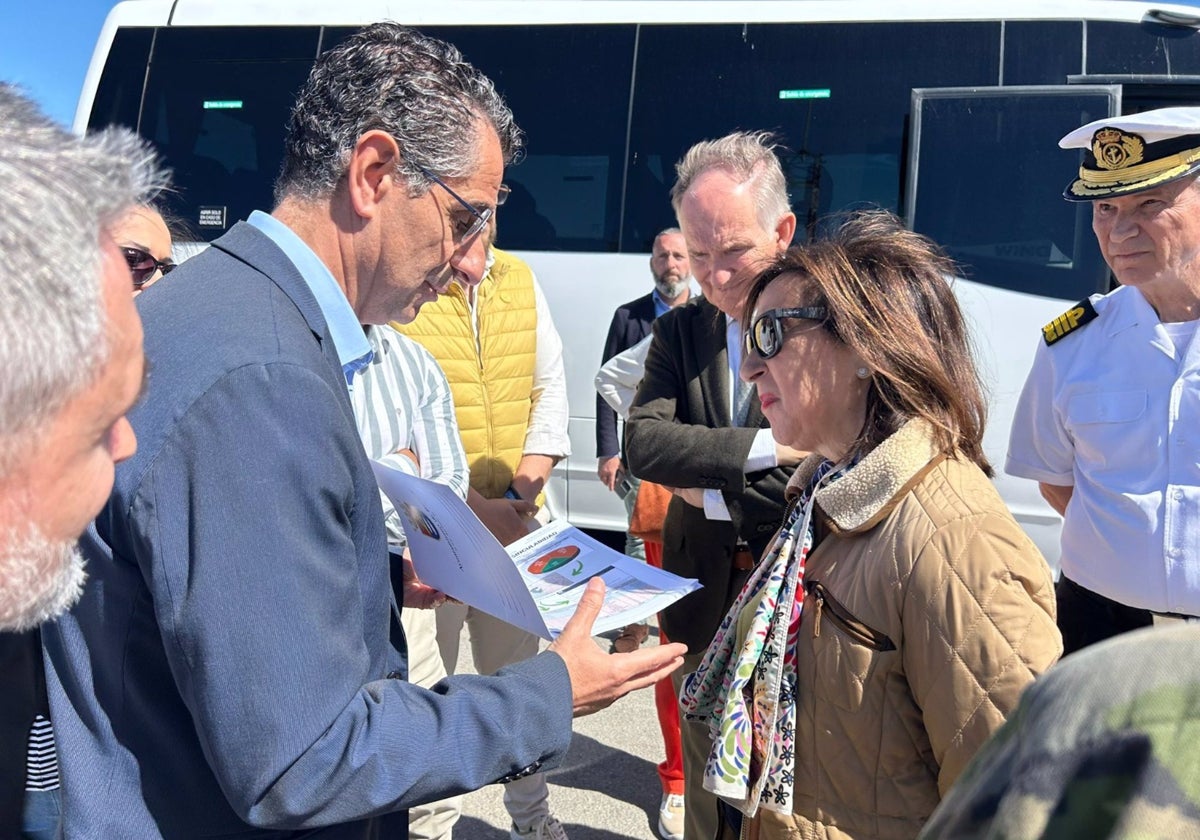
(236, 666)
(695, 426)
(630, 324)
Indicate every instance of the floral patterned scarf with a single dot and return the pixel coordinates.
(745, 689)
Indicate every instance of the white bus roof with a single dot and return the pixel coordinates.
(359, 12)
(495, 12)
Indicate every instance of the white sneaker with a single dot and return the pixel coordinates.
(547, 828)
(670, 817)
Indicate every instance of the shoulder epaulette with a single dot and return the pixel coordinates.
(1068, 322)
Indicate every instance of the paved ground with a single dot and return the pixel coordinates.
(606, 789)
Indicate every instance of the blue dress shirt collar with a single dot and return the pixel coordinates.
(353, 349)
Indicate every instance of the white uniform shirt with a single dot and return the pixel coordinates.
(1113, 409)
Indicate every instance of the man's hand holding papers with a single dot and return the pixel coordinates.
(599, 678)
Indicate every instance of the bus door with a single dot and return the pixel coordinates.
(985, 180)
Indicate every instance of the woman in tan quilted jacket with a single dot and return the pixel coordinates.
(901, 610)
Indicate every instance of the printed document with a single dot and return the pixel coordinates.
(536, 582)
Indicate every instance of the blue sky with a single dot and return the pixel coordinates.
(45, 46)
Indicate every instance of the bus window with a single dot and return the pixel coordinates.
(1120, 49)
(568, 87)
(989, 180)
(119, 94)
(217, 101)
(840, 111)
(1038, 52)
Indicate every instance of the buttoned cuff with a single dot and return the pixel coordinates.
(762, 453)
(714, 506)
(520, 774)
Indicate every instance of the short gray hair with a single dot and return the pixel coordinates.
(749, 156)
(58, 193)
(668, 232)
(418, 89)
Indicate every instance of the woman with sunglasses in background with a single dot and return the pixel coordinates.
(900, 611)
(145, 242)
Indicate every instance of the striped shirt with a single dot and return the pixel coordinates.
(402, 401)
(41, 764)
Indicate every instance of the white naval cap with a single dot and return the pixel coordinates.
(1131, 153)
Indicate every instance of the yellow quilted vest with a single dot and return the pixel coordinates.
(492, 381)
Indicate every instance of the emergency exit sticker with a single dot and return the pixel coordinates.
(212, 216)
(805, 93)
(222, 104)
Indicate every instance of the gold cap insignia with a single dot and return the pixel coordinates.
(1115, 149)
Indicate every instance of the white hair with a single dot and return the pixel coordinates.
(58, 193)
(749, 156)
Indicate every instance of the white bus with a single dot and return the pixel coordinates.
(945, 112)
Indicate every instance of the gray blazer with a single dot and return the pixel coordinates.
(234, 663)
(680, 434)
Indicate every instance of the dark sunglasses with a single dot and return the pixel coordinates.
(142, 265)
(765, 336)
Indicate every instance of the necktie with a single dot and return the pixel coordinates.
(742, 392)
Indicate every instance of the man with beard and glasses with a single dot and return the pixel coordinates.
(72, 358)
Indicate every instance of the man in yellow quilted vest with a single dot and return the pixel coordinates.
(502, 355)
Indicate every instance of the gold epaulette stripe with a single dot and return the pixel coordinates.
(1077, 316)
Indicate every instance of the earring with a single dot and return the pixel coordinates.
(862, 372)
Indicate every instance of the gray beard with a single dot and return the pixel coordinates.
(670, 291)
(40, 579)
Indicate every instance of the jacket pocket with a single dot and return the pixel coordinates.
(829, 607)
(846, 649)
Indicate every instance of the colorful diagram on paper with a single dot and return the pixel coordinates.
(552, 560)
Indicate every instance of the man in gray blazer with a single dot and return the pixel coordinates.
(696, 427)
(236, 665)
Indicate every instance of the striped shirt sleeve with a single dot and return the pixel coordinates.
(402, 401)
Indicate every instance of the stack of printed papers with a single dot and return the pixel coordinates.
(536, 582)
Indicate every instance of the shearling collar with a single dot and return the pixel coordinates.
(867, 493)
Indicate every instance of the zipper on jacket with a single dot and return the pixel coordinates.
(843, 618)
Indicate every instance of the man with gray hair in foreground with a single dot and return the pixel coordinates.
(70, 347)
(239, 667)
(71, 351)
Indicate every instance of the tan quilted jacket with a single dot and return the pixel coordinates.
(928, 611)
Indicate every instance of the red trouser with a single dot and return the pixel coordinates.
(670, 771)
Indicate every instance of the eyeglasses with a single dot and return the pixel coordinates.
(482, 217)
(142, 265)
(765, 336)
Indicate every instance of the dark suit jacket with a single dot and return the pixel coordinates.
(234, 659)
(680, 434)
(22, 697)
(630, 324)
